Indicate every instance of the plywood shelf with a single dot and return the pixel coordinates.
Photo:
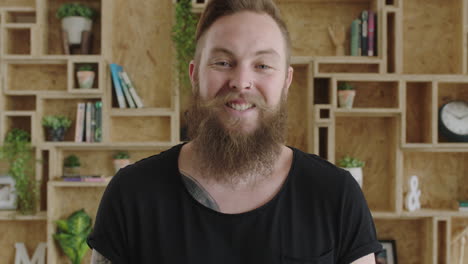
(357, 112)
(59, 184)
(15, 216)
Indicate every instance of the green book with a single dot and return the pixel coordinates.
(355, 37)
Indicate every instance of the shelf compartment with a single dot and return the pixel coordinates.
(20, 16)
(413, 238)
(391, 42)
(36, 77)
(20, 103)
(21, 120)
(450, 91)
(374, 94)
(74, 85)
(141, 129)
(365, 138)
(322, 91)
(17, 41)
(30, 232)
(348, 68)
(418, 112)
(442, 178)
(459, 229)
(424, 52)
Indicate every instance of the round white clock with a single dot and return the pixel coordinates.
(453, 121)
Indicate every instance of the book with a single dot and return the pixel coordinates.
(98, 129)
(131, 88)
(89, 106)
(93, 122)
(127, 94)
(364, 33)
(117, 87)
(371, 34)
(355, 35)
(79, 126)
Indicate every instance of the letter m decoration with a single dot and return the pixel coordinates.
(22, 256)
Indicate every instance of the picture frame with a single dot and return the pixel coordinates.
(389, 254)
(7, 193)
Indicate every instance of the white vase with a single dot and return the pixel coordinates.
(357, 174)
(120, 163)
(74, 26)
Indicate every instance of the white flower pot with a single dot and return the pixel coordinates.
(357, 174)
(120, 163)
(74, 26)
(85, 79)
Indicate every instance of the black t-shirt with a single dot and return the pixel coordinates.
(146, 215)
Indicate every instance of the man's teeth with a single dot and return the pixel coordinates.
(240, 107)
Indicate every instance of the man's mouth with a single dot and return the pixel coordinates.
(240, 107)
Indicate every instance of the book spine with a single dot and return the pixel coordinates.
(79, 122)
(364, 35)
(98, 130)
(132, 89)
(127, 94)
(118, 89)
(371, 35)
(88, 121)
(355, 25)
(93, 123)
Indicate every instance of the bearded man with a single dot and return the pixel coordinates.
(235, 193)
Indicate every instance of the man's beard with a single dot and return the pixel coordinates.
(226, 154)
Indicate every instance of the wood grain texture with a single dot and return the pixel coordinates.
(432, 36)
(18, 42)
(21, 122)
(418, 112)
(142, 129)
(442, 177)
(142, 45)
(308, 23)
(297, 114)
(20, 103)
(31, 233)
(37, 77)
(375, 94)
(348, 68)
(373, 140)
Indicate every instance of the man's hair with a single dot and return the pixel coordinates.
(216, 9)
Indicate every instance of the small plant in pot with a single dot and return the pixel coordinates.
(56, 126)
(354, 166)
(71, 166)
(346, 94)
(85, 76)
(121, 159)
(75, 18)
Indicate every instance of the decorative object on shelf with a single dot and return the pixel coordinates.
(461, 238)
(121, 159)
(463, 205)
(85, 76)
(412, 202)
(7, 193)
(346, 94)
(354, 166)
(22, 257)
(453, 121)
(77, 22)
(71, 166)
(17, 150)
(72, 234)
(56, 126)
(338, 35)
(388, 255)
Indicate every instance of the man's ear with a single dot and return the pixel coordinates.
(289, 78)
(192, 74)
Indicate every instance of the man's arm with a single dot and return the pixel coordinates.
(97, 258)
(369, 259)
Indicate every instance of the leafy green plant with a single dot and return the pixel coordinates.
(183, 36)
(86, 67)
(75, 9)
(345, 86)
(72, 161)
(17, 150)
(121, 155)
(72, 233)
(349, 162)
(56, 121)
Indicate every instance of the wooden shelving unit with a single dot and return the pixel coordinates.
(421, 63)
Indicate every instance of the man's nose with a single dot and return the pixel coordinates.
(241, 78)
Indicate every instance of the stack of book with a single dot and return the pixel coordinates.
(463, 206)
(84, 178)
(364, 34)
(88, 122)
(125, 92)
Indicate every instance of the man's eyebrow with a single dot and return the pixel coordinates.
(230, 53)
(267, 52)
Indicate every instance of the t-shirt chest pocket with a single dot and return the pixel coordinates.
(326, 258)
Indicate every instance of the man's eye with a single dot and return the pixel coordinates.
(263, 66)
(223, 63)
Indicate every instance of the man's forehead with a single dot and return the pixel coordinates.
(226, 51)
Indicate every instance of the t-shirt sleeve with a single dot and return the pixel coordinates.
(109, 235)
(358, 236)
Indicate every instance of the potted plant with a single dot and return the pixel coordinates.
(71, 166)
(56, 126)
(72, 233)
(76, 18)
(121, 159)
(85, 76)
(346, 94)
(18, 152)
(354, 166)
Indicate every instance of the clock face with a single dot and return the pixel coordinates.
(454, 117)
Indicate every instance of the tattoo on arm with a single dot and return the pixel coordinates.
(97, 258)
(199, 193)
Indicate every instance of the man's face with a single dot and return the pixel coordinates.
(243, 68)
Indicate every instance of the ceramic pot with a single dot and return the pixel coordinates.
(346, 98)
(120, 163)
(357, 174)
(56, 134)
(85, 79)
(74, 26)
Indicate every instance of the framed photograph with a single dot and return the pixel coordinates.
(388, 255)
(7, 193)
